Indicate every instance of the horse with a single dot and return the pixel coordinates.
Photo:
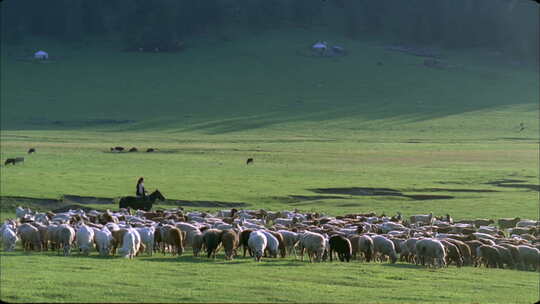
(141, 203)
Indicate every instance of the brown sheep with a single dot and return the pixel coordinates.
(464, 250)
(212, 241)
(452, 253)
(244, 237)
(118, 239)
(174, 240)
(354, 245)
(230, 241)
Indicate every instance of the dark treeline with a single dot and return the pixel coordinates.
(507, 25)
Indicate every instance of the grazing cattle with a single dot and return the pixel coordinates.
(140, 203)
(133, 150)
(150, 150)
(31, 150)
(249, 161)
(9, 161)
(117, 149)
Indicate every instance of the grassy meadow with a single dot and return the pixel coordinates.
(318, 129)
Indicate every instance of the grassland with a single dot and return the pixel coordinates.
(309, 123)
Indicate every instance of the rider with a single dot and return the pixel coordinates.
(141, 192)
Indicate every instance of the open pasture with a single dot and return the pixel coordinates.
(330, 137)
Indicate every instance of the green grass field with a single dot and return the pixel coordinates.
(309, 123)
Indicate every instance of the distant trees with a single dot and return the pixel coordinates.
(510, 25)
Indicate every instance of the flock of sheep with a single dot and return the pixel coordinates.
(421, 239)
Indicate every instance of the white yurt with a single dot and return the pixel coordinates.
(41, 55)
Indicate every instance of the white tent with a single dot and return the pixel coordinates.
(41, 55)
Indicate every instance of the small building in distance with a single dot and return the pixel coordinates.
(42, 55)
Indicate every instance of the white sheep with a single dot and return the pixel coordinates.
(432, 250)
(528, 223)
(130, 244)
(290, 239)
(365, 246)
(384, 247)
(103, 239)
(65, 238)
(147, 238)
(426, 219)
(272, 244)
(9, 238)
(85, 238)
(257, 243)
(314, 243)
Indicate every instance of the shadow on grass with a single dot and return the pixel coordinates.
(405, 266)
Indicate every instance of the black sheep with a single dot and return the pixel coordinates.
(342, 246)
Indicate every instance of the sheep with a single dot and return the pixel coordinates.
(408, 250)
(506, 256)
(366, 247)
(66, 237)
(229, 239)
(290, 239)
(342, 246)
(257, 244)
(516, 256)
(244, 237)
(9, 238)
(174, 239)
(530, 257)
(30, 237)
(131, 243)
(383, 246)
(505, 223)
(464, 250)
(453, 253)
(118, 237)
(281, 241)
(212, 241)
(422, 218)
(314, 243)
(85, 238)
(528, 223)
(196, 238)
(272, 244)
(103, 239)
(489, 255)
(432, 250)
(147, 238)
(482, 222)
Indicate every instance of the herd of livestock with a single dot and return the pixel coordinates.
(419, 239)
